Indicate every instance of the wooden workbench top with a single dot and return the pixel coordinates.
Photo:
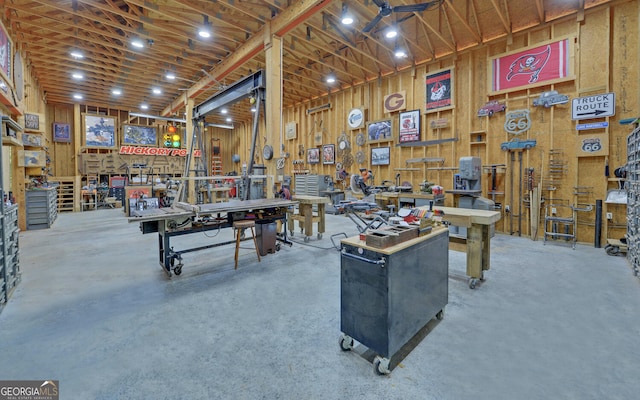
(304, 199)
(355, 241)
(466, 216)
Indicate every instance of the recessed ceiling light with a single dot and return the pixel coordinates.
(170, 75)
(203, 33)
(156, 91)
(144, 106)
(224, 111)
(77, 75)
(253, 109)
(77, 96)
(229, 120)
(391, 33)
(116, 92)
(331, 78)
(76, 54)
(137, 43)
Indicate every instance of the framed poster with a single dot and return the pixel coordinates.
(32, 139)
(61, 132)
(5, 54)
(381, 131)
(380, 155)
(329, 154)
(32, 122)
(32, 158)
(439, 90)
(313, 156)
(99, 131)
(139, 135)
(409, 130)
(544, 64)
(290, 130)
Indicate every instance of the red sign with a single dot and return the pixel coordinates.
(156, 151)
(439, 90)
(533, 66)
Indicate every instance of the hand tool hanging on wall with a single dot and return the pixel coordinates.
(513, 163)
(520, 195)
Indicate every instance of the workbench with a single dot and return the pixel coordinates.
(478, 241)
(185, 218)
(407, 199)
(218, 194)
(305, 216)
(388, 295)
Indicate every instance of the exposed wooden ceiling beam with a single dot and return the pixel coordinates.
(501, 16)
(464, 22)
(281, 25)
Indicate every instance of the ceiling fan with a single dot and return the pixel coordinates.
(386, 10)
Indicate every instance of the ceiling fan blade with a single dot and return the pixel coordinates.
(417, 7)
(372, 23)
(379, 3)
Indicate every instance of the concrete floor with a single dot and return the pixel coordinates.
(95, 311)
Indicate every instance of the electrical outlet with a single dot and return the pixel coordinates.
(609, 215)
(553, 210)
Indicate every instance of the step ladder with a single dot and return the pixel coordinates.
(216, 157)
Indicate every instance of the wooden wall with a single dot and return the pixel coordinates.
(605, 59)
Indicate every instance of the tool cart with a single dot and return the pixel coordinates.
(387, 295)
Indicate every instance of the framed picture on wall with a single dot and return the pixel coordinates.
(409, 130)
(313, 156)
(439, 90)
(380, 155)
(5, 54)
(99, 131)
(544, 64)
(139, 135)
(329, 154)
(32, 122)
(61, 132)
(381, 131)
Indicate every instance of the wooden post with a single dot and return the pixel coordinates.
(273, 134)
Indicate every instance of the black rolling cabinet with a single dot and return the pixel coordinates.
(387, 295)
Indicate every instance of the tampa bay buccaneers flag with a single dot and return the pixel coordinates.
(529, 64)
(535, 65)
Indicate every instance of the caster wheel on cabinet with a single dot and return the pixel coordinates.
(346, 342)
(306, 239)
(381, 365)
(178, 269)
(472, 283)
(319, 236)
(440, 315)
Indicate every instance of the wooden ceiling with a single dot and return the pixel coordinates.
(315, 43)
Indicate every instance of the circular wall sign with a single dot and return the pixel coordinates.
(267, 152)
(355, 119)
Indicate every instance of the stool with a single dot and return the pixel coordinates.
(238, 227)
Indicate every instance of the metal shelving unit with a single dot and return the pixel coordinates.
(9, 249)
(633, 199)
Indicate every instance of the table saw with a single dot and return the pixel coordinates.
(185, 218)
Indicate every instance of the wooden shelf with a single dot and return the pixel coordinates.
(11, 141)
